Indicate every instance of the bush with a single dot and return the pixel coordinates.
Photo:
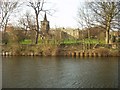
(102, 50)
(5, 38)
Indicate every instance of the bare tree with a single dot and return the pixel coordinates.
(27, 22)
(6, 8)
(104, 15)
(37, 7)
(85, 19)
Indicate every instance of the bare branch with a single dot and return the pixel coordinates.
(7, 8)
(104, 14)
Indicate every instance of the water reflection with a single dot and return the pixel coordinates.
(60, 72)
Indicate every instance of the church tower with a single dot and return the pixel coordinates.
(45, 25)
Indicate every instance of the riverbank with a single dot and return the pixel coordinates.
(76, 50)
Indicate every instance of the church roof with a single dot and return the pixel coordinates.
(45, 17)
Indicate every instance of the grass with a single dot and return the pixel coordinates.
(86, 41)
(29, 41)
(26, 41)
(93, 41)
(67, 41)
(70, 41)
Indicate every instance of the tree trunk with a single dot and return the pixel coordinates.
(5, 25)
(108, 30)
(36, 40)
(37, 31)
(107, 37)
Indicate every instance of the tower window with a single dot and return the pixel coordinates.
(43, 23)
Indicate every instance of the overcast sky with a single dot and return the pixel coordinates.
(65, 15)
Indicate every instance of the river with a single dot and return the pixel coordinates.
(59, 72)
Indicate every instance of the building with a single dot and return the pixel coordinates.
(71, 33)
(45, 27)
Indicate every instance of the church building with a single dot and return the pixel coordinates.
(45, 27)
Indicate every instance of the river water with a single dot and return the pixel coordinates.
(59, 72)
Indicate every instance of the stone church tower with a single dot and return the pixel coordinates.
(45, 25)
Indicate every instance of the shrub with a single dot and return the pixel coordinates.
(102, 50)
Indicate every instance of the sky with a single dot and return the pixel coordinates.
(64, 16)
(66, 13)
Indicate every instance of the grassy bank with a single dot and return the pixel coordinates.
(66, 41)
(85, 41)
(56, 49)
